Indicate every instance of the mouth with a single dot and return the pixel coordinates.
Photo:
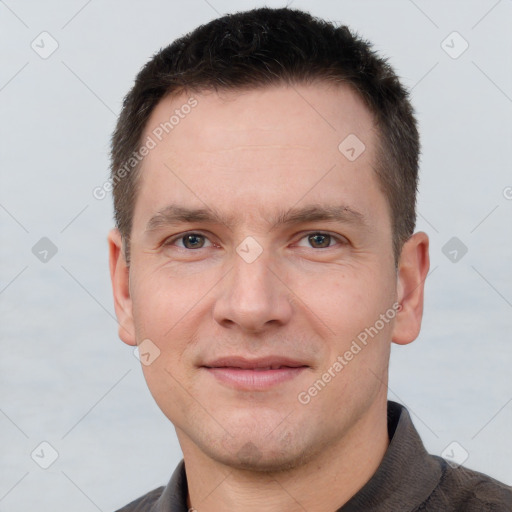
(256, 374)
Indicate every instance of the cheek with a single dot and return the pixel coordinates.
(163, 302)
(346, 300)
(165, 312)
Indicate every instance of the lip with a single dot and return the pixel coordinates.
(254, 374)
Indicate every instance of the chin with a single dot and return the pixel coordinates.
(261, 453)
(250, 458)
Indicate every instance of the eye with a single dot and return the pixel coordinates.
(320, 240)
(189, 241)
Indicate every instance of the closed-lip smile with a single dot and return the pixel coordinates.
(254, 374)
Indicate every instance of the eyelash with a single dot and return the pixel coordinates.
(170, 241)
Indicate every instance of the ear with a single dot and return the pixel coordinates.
(412, 272)
(120, 277)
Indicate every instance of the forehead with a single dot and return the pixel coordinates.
(249, 152)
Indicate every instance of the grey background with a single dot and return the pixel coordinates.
(66, 379)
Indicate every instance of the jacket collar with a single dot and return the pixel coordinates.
(407, 474)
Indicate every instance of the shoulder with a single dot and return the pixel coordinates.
(462, 489)
(144, 503)
(171, 497)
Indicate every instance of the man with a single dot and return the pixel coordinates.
(265, 175)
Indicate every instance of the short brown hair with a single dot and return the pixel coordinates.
(264, 47)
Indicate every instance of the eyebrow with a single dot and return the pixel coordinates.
(174, 214)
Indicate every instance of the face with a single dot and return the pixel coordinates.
(261, 252)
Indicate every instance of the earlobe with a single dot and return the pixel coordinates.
(412, 272)
(119, 275)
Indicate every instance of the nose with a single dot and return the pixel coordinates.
(252, 296)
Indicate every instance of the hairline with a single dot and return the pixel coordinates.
(382, 154)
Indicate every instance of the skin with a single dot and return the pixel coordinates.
(251, 155)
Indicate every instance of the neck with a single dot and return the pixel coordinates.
(325, 482)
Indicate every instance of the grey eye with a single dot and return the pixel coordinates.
(193, 241)
(319, 240)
